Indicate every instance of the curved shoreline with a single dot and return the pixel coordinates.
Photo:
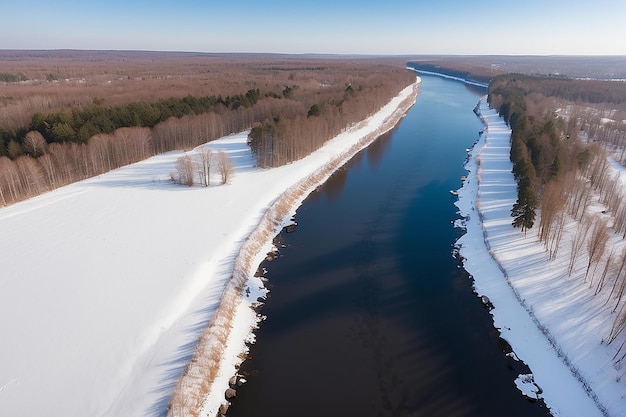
(222, 346)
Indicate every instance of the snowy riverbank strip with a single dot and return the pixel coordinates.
(552, 321)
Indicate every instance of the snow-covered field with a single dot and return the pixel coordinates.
(551, 320)
(106, 284)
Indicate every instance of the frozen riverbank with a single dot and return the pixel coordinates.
(552, 321)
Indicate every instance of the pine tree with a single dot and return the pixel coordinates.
(524, 209)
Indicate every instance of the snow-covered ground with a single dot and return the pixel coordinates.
(106, 284)
(552, 321)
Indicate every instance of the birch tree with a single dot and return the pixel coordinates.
(556, 234)
(596, 245)
(619, 284)
(184, 170)
(608, 266)
(551, 205)
(34, 143)
(578, 242)
(203, 167)
(225, 167)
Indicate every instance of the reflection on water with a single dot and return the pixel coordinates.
(369, 314)
(334, 185)
(376, 151)
(374, 155)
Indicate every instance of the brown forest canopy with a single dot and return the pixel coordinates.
(48, 81)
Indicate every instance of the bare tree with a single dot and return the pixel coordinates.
(64, 167)
(556, 234)
(184, 170)
(596, 245)
(137, 141)
(204, 166)
(100, 150)
(551, 205)
(80, 157)
(47, 164)
(609, 191)
(34, 144)
(6, 168)
(619, 284)
(30, 175)
(598, 175)
(608, 266)
(580, 199)
(225, 167)
(619, 324)
(578, 242)
(619, 223)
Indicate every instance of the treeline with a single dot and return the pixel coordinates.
(536, 150)
(8, 77)
(82, 123)
(281, 140)
(68, 146)
(43, 166)
(570, 89)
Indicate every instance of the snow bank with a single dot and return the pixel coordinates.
(279, 215)
(551, 320)
(107, 284)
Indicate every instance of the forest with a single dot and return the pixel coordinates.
(564, 135)
(89, 112)
(557, 126)
(483, 68)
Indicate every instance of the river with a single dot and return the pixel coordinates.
(369, 313)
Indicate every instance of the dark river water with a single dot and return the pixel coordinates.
(369, 313)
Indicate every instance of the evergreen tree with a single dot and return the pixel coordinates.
(314, 111)
(524, 209)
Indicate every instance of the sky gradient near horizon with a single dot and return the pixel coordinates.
(366, 27)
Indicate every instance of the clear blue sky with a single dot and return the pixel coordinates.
(587, 27)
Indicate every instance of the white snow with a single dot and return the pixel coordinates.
(552, 321)
(526, 384)
(106, 284)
